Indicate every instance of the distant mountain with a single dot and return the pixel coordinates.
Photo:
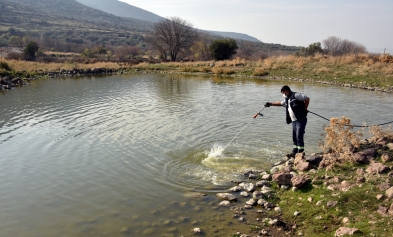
(233, 35)
(122, 9)
(75, 11)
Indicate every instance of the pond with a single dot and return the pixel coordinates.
(114, 156)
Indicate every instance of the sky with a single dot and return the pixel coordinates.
(288, 22)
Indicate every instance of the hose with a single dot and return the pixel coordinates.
(355, 126)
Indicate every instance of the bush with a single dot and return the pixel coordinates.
(223, 49)
(5, 66)
(340, 142)
(31, 50)
(15, 56)
(260, 72)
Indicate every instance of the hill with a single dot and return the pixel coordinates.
(75, 11)
(121, 9)
(233, 35)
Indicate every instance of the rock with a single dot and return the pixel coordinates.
(244, 194)
(195, 195)
(331, 204)
(383, 186)
(249, 187)
(296, 213)
(257, 195)
(386, 158)
(382, 210)
(390, 211)
(360, 158)
(299, 157)
(149, 231)
(310, 199)
(253, 176)
(370, 152)
(275, 169)
(390, 146)
(251, 202)
(241, 219)
(125, 230)
(285, 187)
(262, 183)
(294, 189)
(345, 231)
(266, 177)
(377, 168)
(319, 203)
(235, 189)
(345, 220)
(273, 222)
(261, 202)
(225, 203)
(197, 230)
(389, 193)
(247, 206)
(314, 159)
(226, 196)
(277, 209)
(303, 166)
(282, 178)
(299, 181)
(379, 196)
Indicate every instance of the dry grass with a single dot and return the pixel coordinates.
(260, 72)
(340, 142)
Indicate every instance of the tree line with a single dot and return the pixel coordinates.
(172, 39)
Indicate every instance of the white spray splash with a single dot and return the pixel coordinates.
(216, 151)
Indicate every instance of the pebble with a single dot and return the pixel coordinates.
(197, 230)
(244, 194)
(296, 213)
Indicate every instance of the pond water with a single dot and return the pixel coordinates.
(114, 156)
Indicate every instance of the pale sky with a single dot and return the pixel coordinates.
(288, 22)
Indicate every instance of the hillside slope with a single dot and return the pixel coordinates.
(75, 11)
(121, 9)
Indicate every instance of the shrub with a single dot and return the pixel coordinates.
(31, 50)
(260, 72)
(5, 66)
(223, 49)
(15, 56)
(340, 142)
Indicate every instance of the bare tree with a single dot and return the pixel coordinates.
(200, 48)
(172, 36)
(336, 46)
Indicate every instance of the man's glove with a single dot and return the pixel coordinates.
(268, 104)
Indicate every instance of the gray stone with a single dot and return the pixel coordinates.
(235, 189)
(296, 213)
(263, 183)
(249, 187)
(247, 206)
(257, 195)
(261, 202)
(377, 168)
(226, 196)
(275, 169)
(273, 222)
(390, 146)
(390, 211)
(332, 203)
(266, 177)
(303, 166)
(197, 230)
(149, 231)
(225, 203)
(285, 187)
(244, 194)
(251, 202)
(345, 231)
(360, 158)
(382, 210)
(389, 193)
(253, 176)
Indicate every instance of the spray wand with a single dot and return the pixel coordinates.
(255, 116)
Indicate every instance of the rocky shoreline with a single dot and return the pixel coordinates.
(8, 82)
(257, 200)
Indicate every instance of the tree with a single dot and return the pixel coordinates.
(311, 50)
(172, 36)
(31, 50)
(223, 49)
(200, 49)
(336, 46)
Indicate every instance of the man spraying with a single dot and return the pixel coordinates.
(296, 105)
